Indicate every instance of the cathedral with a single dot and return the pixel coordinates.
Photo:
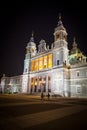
(54, 69)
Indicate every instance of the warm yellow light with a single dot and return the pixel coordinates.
(45, 62)
(35, 82)
(36, 65)
(32, 65)
(41, 63)
(50, 61)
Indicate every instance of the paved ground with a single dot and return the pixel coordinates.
(26, 112)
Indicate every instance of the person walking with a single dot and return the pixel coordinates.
(42, 96)
(48, 95)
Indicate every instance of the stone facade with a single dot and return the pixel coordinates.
(56, 70)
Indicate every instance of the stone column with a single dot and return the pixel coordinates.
(37, 83)
(46, 83)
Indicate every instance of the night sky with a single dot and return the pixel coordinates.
(17, 20)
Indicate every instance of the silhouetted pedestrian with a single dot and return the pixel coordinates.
(48, 95)
(42, 96)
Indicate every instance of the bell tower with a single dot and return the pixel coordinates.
(30, 52)
(60, 43)
(60, 32)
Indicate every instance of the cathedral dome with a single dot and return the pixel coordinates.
(31, 42)
(76, 56)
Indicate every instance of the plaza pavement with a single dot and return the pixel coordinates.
(30, 120)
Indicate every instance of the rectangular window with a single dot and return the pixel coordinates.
(32, 65)
(41, 63)
(77, 73)
(50, 61)
(57, 62)
(45, 62)
(78, 89)
(36, 65)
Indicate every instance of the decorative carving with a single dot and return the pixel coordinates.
(47, 47)
(42, 46)
(52, 46)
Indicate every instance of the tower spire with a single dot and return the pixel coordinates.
(74, 40)
(32, 33)
(32, 37)
(59, 16)
(74, 43)
(59, 20)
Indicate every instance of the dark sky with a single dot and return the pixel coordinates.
(17, 20)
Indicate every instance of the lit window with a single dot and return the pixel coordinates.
(32, 65)
(36, 64)
(45, 61)
(41, 63)
(50, 61)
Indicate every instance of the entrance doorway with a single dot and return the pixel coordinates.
(44, 87)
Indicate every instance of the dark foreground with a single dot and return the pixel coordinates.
(24, 112)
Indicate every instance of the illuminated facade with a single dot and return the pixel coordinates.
(56, 70)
